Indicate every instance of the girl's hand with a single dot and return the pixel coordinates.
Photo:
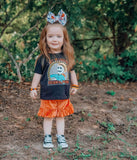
(73, 91)
(33, 94)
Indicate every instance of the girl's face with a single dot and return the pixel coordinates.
(55, 38)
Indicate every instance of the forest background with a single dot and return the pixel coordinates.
(102, 32)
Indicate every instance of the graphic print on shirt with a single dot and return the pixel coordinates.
(57, 73)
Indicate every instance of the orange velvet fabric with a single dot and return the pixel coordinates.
(55, 108)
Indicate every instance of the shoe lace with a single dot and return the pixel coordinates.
(61, 139)
(48, 139)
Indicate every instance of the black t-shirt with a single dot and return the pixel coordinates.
(55, 80)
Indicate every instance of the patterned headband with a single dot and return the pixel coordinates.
(61, 17)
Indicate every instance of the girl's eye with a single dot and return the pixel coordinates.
(50, 36)
(59, 36)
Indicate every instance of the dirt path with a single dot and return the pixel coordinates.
(104, 124)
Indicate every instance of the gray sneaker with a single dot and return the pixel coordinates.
(48, 142)
(62, 141)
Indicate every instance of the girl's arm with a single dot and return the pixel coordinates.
(35, 82)
(74, 81)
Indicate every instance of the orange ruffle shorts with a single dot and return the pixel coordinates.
(55, 108)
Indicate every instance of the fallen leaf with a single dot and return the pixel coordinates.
(122, 98)
(130, 99)
(95, 126)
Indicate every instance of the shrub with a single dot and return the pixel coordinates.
(102, 68)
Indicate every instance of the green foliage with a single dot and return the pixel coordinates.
(9, 153)
(107, 125)
(114, 107)
(112, 93)
(6, 118)
(26, 147)
(112, 18)
(110, 68)
(79, 152)
(5, 72)
(28, 119)
(127, 155)
(96, 28)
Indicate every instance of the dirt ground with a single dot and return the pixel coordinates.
(104, 125)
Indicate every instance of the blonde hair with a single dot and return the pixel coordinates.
(66, 48)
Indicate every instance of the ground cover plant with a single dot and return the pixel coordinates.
(103, 127)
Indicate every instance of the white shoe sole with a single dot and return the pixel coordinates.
(49, 146)
(63, 147)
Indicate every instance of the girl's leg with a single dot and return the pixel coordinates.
(47, 126)
(60, 124)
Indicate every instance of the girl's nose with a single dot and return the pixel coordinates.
(54, 38)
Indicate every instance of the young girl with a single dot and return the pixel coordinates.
(54, 71)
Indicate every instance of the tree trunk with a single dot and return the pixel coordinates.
(14, 61)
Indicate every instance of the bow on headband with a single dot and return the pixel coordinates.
(61, 17)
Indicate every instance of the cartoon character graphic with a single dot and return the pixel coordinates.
(58, 73)
(59, 76)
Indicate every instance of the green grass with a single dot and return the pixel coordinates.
(93, 147)
(79, 152)
(9, 153)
